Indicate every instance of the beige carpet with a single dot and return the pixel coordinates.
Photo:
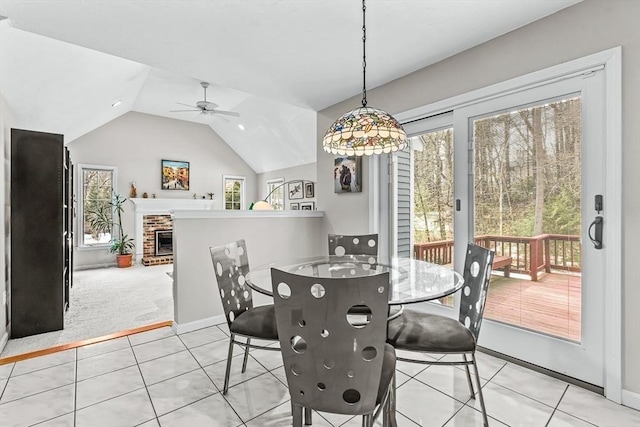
(104, 301)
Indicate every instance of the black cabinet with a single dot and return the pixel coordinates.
(41, 232)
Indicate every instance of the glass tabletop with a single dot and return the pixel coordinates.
(411, 280)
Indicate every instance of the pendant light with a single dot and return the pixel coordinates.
(365, 130)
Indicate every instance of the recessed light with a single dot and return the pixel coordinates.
(117, 103)
(241, 126)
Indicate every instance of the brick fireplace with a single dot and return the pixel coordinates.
(155, 214)
(151, 224)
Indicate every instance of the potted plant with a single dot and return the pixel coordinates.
(102, 219)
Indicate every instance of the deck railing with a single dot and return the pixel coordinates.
(530, 255)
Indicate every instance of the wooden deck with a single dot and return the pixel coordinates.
(552, 305)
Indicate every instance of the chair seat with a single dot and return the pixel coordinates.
(388, 369)
(429, 333)
(257, 322)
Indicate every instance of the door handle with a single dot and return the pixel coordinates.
(597, 239)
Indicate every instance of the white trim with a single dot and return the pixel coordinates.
(631, 399)
(611, 59)
(613, 223)
(231, 214)
(198, 324)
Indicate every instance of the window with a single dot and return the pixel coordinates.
(97, 188)
(275, 191)
(233, 192)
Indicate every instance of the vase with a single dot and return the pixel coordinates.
(124, 261)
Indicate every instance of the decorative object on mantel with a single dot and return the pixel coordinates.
(134, 192)
(210, 195)
(347, 174)
(364, 130)
(145, 195)
(175, 175)
(101, 219)
(295, 190)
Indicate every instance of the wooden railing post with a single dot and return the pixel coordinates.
(534, 260)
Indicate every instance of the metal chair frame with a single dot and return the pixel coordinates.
(231, 264)
(481, 259)
(332, 355)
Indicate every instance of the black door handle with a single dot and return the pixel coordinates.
(597, 239)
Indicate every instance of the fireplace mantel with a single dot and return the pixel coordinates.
(144, 206)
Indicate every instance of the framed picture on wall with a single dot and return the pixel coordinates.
(175, 175)
(307, 206)
(308, 190)
(347, 174)
(294, 206)
(295, 190)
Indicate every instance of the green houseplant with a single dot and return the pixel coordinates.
(107, 217)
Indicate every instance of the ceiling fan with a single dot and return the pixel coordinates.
(205, 107)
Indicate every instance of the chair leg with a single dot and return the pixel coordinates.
(228, 371)
(466, 367)
(307, 416)
(481, 398)
(296, 413)
(246, 355)
(367, 420)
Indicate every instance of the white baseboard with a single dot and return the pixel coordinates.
(3, 341)
(631, 399)
(198, 324)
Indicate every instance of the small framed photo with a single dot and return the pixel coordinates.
(307, 206)
(175, 175)
(347, 174)
(308, 190)
(295, 190)
(294, 206)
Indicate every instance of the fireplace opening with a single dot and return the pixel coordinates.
(164, 242)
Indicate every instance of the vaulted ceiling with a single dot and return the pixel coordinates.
(63, 63)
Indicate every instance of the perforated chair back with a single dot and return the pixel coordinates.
(365, 244)
(333, 360)
(477, 274)
(231, 265)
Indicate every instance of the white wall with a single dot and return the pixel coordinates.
(588, 27)
(270, 236)
(7, 120)
(136, 143)
(305, 172)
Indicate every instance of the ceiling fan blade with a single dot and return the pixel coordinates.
(181, 111)
(224, 119)
(227, 113)
(187, 105)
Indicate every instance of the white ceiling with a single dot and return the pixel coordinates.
(63, 63)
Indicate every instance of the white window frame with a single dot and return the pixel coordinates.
(80, 201)
(243, 184)
(272, 185)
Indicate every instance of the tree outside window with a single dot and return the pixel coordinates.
(97, 189)
(233, 193)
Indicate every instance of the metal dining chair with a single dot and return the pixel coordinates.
(357, 244)
(231, 265)
(335, 361)
(416, 331)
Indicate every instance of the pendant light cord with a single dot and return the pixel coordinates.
(364, 56)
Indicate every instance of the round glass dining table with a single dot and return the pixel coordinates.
(411, 280)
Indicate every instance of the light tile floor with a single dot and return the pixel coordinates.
(157, 378)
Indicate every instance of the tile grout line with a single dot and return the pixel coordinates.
(144, 383)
